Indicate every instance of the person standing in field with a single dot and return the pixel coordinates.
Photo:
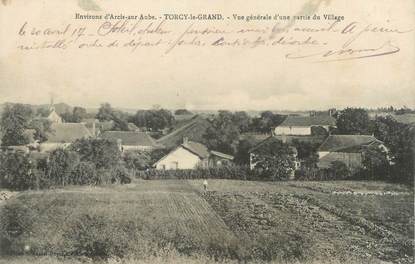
(205, 184)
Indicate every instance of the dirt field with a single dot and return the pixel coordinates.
(312, 222)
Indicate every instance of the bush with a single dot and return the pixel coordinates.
(60, 166)
(85, 173)
(16, 171)
(16, 220)
(231, 172)
(120, 175)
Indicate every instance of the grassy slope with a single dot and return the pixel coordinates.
(249, 219)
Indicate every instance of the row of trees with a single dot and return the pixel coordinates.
(86, 161)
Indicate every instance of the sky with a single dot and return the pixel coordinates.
(250, 79)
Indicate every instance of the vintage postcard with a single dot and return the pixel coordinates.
(207, 131)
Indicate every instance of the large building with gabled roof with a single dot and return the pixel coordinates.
(304, 125)
(64, 134)
(348, 149)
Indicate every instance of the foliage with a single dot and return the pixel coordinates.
(352, 121)
(60, 167)
(242, 120)
(14, 120)
(105, 112)
(182, 112)
(266, 121)
(42, 112)
(275, 160)
(154, 120)
(137, 160)
(242, 154)
(376, 164)
(340, 170)
(399, 139)
(103, 153)
(404, 110)
(16, 171)
(77, 115)
(120, 119)
(84, 173)
(119, 174)
(307, 152)
(42, 127)
(223, 134)
(222, 172)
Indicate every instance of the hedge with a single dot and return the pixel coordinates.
(223, 172)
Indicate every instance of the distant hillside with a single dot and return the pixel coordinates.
(193, 129)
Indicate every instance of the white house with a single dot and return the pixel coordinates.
(191, 155)
(304, 125)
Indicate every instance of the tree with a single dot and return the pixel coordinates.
(16, 171)
(120, 121)
(78, 114)
(353, 121)
(15, 119)
(85, 173)
(307, 152)
(339, 170)
(376, 163)
(275, 160)
(103, 153)
(400, 140)
(242, 120)
(137, 160)
(105, 112)
(155, 119)
(242, 154)
(42, 112)
(266, 121)
(42, 128)
(60, 167)
(222, 134)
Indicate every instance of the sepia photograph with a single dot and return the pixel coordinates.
(207, 132)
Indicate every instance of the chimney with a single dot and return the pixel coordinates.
(284, 138)
(185, 140)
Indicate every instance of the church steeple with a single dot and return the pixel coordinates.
(52, 104)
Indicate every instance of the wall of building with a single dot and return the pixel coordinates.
(135, 148)
(179, 158)
(352, 160)
(282, 130)
(48, 147)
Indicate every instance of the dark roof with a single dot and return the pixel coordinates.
(192, 129)
(67, 132)
(196, 148)
(221, 155)
(338, 143)
(269, 140)
(132, 127)
(318, 120)
(405, 118)
(131, 138)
